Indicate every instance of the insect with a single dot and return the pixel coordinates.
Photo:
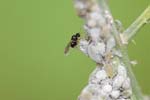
(73, 42)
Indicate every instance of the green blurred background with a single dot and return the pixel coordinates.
(33, 34)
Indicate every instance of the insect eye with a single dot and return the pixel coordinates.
(74, 37)
(78, 34)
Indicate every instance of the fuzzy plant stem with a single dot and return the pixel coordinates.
(107, 46)
(135, 87)
(128, 35)
(143, 19)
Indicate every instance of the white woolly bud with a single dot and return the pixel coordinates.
(80, 5)
(122, 71)
(101, 75)
(95, 8)
(83, 46)
(95, 51)
(118, 81)
(91, 23)
(126, 84)
(95, 34)
(103, 94)
(127, 93)
(115, 94)
(110, 44)
(107, 88)
(85, 95)
(95, 15)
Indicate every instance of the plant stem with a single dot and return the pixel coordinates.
(128, 34)
(137, 24)
(126, 61)
(123, 48)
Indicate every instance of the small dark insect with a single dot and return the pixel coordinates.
(73, 42)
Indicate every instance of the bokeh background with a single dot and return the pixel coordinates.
(33, 34)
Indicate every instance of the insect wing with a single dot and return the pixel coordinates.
(67, 48)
